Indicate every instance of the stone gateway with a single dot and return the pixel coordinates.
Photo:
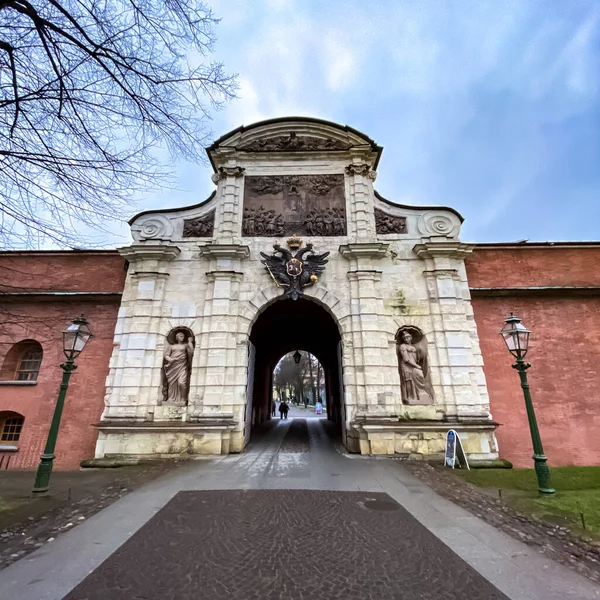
(210, 304)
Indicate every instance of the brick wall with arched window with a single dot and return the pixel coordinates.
(22, 362)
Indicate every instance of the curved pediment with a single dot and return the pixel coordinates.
(415, 221)
(293, 134)
(187, 222)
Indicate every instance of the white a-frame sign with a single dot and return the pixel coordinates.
(455, 454)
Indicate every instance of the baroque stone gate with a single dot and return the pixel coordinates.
(289, 191)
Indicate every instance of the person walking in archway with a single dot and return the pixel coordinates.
(283, 410)
(274, 407)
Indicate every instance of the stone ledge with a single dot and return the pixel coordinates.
(204, 424)
(374, 424)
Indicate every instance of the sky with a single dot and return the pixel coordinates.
(491, 107)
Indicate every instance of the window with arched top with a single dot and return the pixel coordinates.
(29, 365)
(11, 425)
(22, 362)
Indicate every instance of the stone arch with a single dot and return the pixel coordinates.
(270, 294)
(270, 309)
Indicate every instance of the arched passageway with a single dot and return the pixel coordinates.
(286, 326)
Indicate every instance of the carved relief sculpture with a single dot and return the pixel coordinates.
(294, 143)
(177, 366)
(415, 379)
(385, 223)
(277, 205)
(293, 272)
(199, 227)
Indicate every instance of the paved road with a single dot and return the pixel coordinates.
(293, 517)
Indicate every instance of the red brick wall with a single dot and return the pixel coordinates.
(564, 349)
(42, 318)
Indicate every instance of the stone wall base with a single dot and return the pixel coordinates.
(167, 439)
(421, 440)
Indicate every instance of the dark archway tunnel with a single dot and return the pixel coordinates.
(286, 326)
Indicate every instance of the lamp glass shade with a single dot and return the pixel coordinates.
(75, 337)
(297, 357)
(516, 336)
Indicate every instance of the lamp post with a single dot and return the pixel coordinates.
(75, 337)
(516, 337)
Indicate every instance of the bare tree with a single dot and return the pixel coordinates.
(90, 92)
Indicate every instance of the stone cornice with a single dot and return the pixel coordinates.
(231, 251)
(443, 247)
(137, 252)
(369, 250)
(547, 290)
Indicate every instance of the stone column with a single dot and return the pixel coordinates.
(460, 362)
(133, 383)
(229, 179)
(222, 362)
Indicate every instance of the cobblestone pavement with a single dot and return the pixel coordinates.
(284, 544)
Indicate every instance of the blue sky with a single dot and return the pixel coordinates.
(489, 106)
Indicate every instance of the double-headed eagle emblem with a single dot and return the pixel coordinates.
(294, 271)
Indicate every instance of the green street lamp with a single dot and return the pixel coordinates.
(516, 337)
(75, 337)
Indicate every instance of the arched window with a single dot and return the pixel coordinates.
(30, 363)
(11, 424)
(22, 362)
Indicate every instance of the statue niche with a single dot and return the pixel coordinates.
(177, 366)
(413, 366)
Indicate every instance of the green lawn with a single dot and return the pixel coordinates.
(577, 491)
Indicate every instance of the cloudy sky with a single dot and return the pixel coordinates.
(489, 106)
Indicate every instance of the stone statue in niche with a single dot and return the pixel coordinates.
(177, 366)
(413, 366)
(199, 227)
(385, 223)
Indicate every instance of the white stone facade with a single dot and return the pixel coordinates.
(373, 285)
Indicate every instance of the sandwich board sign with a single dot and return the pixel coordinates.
(455, 454)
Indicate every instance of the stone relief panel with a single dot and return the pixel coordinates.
(385, 223)
(200, 226)
(413, 366)
(277, 205)
(177, 366)
(294, 143)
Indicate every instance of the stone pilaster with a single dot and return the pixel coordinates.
(460, 362)
(360, 177)
(369, 392)
(133, 379)
(222, 369)
(229, 179)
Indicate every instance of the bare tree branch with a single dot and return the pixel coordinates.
(90, 90)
